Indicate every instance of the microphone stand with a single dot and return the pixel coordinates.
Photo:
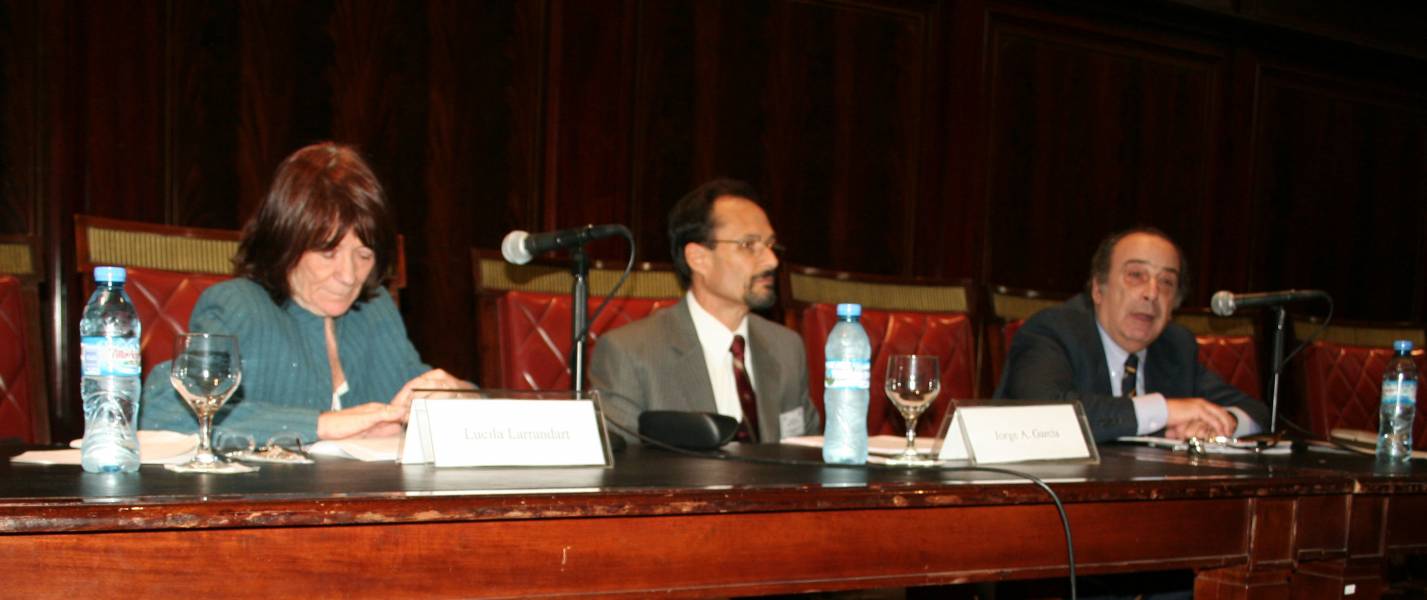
(1280, 315)
(580, 292)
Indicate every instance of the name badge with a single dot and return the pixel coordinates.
(491, 428)
(988, 433)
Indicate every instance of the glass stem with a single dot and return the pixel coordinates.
(912, 435)
(205, 436)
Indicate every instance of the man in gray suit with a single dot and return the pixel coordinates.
(709, 353)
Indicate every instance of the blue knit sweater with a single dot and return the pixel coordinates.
(287, 381)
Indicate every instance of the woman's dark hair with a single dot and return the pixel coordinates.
(318, 194)
(691, 219)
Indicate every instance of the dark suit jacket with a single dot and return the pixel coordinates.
(656, 363)
(1058, 355)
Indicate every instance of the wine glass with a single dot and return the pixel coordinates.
(206, 371)
(913, 381)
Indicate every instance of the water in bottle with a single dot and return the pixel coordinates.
(848, 377)
(1399, 406)
(109, 360)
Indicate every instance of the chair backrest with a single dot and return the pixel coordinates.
(1341, 374)
(524, 314)
(169, 267)
(24, 407)
(1228, 346)
(901, 316)
(1010, 307)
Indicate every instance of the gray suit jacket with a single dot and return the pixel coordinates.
(656, 363)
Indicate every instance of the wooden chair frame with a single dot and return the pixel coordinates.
(106, 241)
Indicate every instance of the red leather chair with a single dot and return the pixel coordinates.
(524, 314)
(1228, 346)
(24, 408)
(168, 269)
(1340, 374)
(1010, 307)
(901, 316)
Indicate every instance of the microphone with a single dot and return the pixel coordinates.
(519, 247)
(1225, 302)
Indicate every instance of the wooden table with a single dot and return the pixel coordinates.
(663, 523)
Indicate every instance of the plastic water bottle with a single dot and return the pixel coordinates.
(848, 377)
(109, 360)
(1399, 406)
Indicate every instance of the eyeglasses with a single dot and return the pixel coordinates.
(281, 448)
(753, 245)
(1247, 444)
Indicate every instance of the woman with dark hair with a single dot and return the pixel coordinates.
(325, 354)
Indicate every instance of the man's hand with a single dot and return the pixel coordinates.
(1197, 417)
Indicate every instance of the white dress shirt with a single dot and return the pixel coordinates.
(716, 340)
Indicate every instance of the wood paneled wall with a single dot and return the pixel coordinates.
(1282, 145)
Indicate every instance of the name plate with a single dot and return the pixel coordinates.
(999, 433)
(512, 429)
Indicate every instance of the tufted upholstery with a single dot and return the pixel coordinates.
(24, 405)
(948, 336)
(1342, 382)
(1234, 358)
(1343, 386)
(535, 334)
(1228, 346)
(17, 391)
(164, 300)
(524, 314)
(902, 315)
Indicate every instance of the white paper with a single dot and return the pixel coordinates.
(955, 446)
(886, 445)
(156, 447)
(364, 449)
(413, 445)
(1002, 434)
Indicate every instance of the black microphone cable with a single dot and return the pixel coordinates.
(721, 455)
(585, 332)
(1277, 369)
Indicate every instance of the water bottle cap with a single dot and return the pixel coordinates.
(849, 310)
(1402, 345)
(110, 274)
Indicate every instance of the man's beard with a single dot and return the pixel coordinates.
(765, 300)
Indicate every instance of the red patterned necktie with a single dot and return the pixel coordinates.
(746, 398)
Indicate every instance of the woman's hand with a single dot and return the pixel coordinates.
(435, 379)
(375, 419)
(372, 419)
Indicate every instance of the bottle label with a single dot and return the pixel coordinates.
(109, 357)
(848, 374)
(1399, 392)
